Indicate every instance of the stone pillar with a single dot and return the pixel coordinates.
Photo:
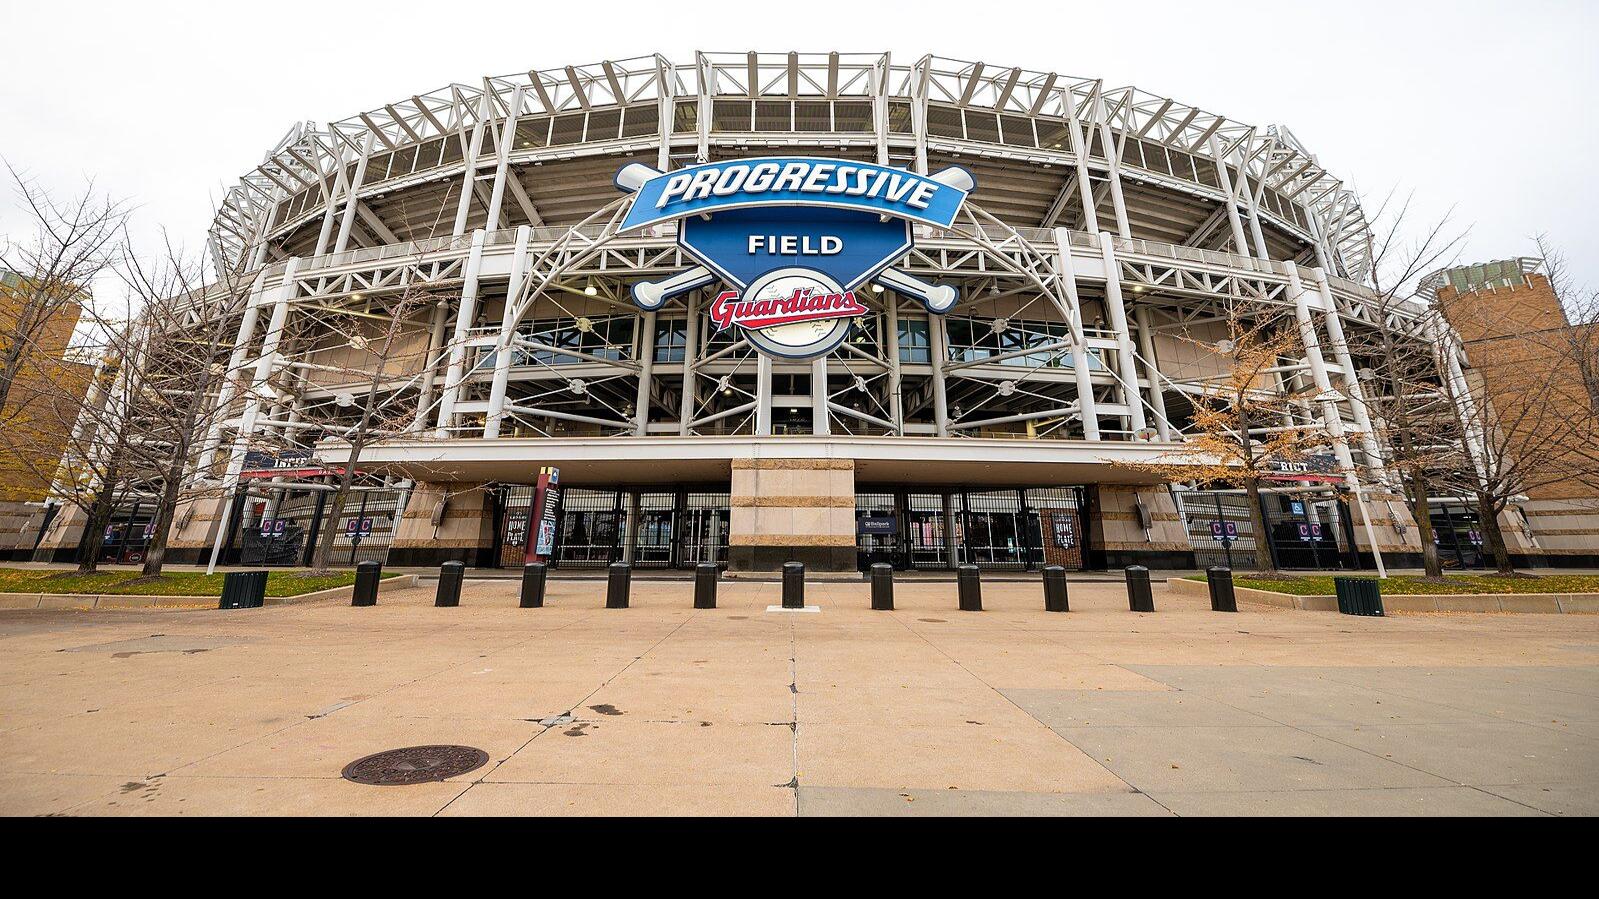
(792, 510)
(1397, 534)
(465, 532)
(195, 528)
(60, 543)
(1117, 531)
(19, 525)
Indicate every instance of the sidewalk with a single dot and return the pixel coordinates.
(663, 709)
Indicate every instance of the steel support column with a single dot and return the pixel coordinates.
(465, 314)
(1240, 242)
(252, 402)
(1331, 420)
(1146, 343)
(763, 396)
(502, 160)
(503, 351)
(896, 403)
(821, 421)
(1088, 410)
(646, 375)
(1127, 371)
(474, 149)
(937, 355)
(1352, 388)
(691, 349)
(352, 196)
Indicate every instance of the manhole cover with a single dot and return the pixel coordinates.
(415, 765)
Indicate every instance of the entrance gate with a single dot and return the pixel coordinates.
(1459, 539)
(648, 528)
(283, 525)
(1305, 530)
(1012, 529)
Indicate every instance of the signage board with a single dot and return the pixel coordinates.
(792, 239)
(876, 524)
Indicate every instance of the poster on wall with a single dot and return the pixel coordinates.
(1065, 532)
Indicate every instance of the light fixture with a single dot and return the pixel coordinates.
(591, 290)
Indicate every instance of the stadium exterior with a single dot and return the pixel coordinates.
(1109, 235)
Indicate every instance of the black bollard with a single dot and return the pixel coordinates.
(705, 575)
(1221, 589)
(450, 576)
(882, 587)
(793, 585)
(1055, 589)
(1139, 599)
(533, 575)
(618, 585)
(969, 586)
(367, 575)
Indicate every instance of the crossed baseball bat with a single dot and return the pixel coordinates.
(938, 298)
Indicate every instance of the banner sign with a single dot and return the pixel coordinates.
(546, 502)
(1321, 467)
(876, 524)
(793, 238)
(1066, 532)
(786, 181)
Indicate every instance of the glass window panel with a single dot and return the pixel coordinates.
(605, 124)
(813, 115)
(852, 117)
(638, 121)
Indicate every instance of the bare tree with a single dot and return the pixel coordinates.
(1238, 428)
(189, 325)
(1402, 394)
(73, 241)
(356, 384)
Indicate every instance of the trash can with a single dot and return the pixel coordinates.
(1358, 596)
(243, 590)
(1222, 597)
(367, 575)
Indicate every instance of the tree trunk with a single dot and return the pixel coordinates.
(1488, 520)
(1418, 488)
(1257, 519)
(335, 508)
(156, 553)
(105, 503)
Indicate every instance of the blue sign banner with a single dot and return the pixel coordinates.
(794, 181)
(740, 245)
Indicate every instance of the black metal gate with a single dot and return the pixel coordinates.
(1305, 531)
(1012, 529)
(1220, 529)
(284, 531)
(649, 528)
(1456, 534)
(284, 526)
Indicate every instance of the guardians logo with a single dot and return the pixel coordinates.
(793, 238)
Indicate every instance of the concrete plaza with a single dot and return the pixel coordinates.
(661, 709)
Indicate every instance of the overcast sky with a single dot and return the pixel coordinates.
(1483, 107)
